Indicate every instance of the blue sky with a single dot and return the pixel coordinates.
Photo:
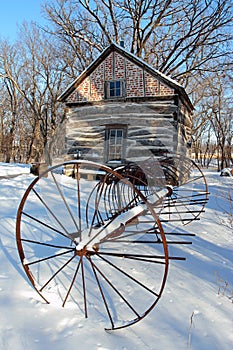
(14, 12)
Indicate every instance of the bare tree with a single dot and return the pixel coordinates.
(221, 121)
(10, 102)
(188, 40)
(178, 37)
(33, 69)
(213, 124)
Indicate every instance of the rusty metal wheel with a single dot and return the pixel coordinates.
(88, 236)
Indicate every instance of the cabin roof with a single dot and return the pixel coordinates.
(138, 61)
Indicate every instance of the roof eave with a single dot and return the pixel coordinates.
(84, 74)
(115, 47)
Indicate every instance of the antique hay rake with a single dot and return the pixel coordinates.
(96, 239)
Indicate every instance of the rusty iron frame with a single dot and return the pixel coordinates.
(126, 198)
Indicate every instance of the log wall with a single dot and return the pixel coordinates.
(151, 127)
(153, 110)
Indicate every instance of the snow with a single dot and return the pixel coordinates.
(13, 169)
(195, 310)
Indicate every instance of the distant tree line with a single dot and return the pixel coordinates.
(190, 41)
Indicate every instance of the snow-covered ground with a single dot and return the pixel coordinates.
(195, 311)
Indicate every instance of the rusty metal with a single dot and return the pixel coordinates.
(190, 191)
(91, 239)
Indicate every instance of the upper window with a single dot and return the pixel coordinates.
(114, 88)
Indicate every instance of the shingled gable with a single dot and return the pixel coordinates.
(171, 83)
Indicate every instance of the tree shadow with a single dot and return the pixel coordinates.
(8, 244)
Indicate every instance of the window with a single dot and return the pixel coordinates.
(114, 88)
(115, 143)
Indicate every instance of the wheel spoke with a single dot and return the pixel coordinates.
(50, 211)
(84, 289)
(72, 282)
(100, 241)
(125, 273)
(48, 257)
(44, 244)
(79, 201)
(57, 272)
(65, 202)
(102, 293)
(46, 225)
(116, 290)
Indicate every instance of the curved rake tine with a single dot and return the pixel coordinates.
(95, 188)
(120, 214)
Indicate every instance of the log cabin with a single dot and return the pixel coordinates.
(121, 109)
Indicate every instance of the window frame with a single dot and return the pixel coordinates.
(116, 155)
(114, 89)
